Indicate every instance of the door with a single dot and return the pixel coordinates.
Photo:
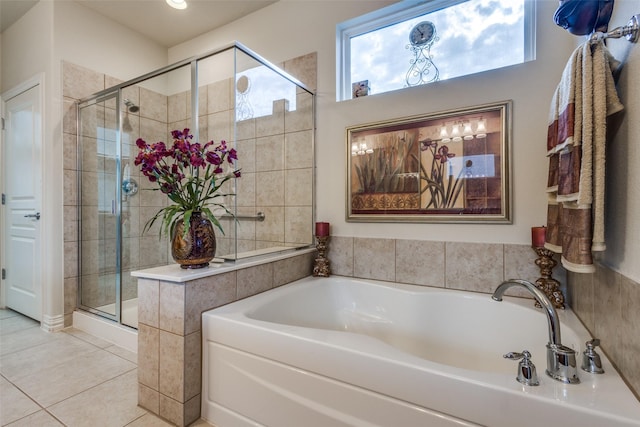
(23, 142)
(99, 207)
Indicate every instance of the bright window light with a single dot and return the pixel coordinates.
(472, 36)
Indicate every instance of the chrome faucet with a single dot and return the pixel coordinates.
(561, 360)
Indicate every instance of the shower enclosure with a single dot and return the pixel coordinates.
(263, 112)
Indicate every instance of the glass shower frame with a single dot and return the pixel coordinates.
(115, 95)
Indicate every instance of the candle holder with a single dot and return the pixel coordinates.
(547, 284)
(321, 266)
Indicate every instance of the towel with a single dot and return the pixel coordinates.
(576, 142)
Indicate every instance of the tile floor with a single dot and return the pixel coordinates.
(68, 378)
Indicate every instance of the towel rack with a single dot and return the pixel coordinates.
(630, 31)
(257, 217)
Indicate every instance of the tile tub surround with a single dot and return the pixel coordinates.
(608, 303)
(476, 267)
(170, 304)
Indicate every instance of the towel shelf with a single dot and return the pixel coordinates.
(630, 31)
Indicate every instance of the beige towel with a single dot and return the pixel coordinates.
(576, 142)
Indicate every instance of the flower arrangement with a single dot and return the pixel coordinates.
(190, 174)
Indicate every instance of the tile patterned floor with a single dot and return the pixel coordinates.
(68, 378)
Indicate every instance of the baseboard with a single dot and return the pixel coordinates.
(52, 323)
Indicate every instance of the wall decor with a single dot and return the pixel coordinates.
(450, 166)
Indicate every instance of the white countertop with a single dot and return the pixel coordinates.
(173, 272)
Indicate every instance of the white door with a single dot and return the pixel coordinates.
(23, 178)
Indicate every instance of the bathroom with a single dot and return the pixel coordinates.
(608, 301)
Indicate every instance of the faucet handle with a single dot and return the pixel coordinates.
(590, 359)
(527, 374)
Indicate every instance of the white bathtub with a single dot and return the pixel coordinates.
(347, 352)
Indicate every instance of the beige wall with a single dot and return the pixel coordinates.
(38, 43)
(18, 67)
(529, 85)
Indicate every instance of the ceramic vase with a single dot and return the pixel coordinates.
(198, 246)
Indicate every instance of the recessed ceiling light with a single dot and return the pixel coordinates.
(177, 4)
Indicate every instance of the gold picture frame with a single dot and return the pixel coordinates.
(447, 167)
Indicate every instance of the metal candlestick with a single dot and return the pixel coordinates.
(321, 266)
(547, 284)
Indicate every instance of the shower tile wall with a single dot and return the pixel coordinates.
(77, 82)
(276, 157)
(138, 251)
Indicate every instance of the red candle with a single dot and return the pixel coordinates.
(322, 229)
(538, 236)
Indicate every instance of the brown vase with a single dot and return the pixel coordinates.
(198, 247)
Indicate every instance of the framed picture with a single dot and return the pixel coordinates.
(451, 166)
(359, 89)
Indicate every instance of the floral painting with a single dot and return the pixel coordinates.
(443, 167)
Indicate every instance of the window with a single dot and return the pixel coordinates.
(375, 54)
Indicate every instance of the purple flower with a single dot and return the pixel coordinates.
(233, 155)
(424, 145)
(214, 158)
(197, 160)
(195, 148)
(159, 147)
(168, 166)
(443, 154)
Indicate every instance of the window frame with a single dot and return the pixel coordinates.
(399, 12)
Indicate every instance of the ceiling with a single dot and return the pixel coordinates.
(153, 18)
(12, 10)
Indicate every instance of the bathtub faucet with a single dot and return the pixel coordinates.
(561, 360)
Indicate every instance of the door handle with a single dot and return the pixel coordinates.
(35, 215)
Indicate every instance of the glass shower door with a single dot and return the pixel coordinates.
(99, 152)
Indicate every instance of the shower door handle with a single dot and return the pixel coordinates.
(35, 215)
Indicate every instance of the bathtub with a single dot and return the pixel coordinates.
(339, 351)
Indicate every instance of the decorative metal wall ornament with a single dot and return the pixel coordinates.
(244, 110)
(422, 69)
